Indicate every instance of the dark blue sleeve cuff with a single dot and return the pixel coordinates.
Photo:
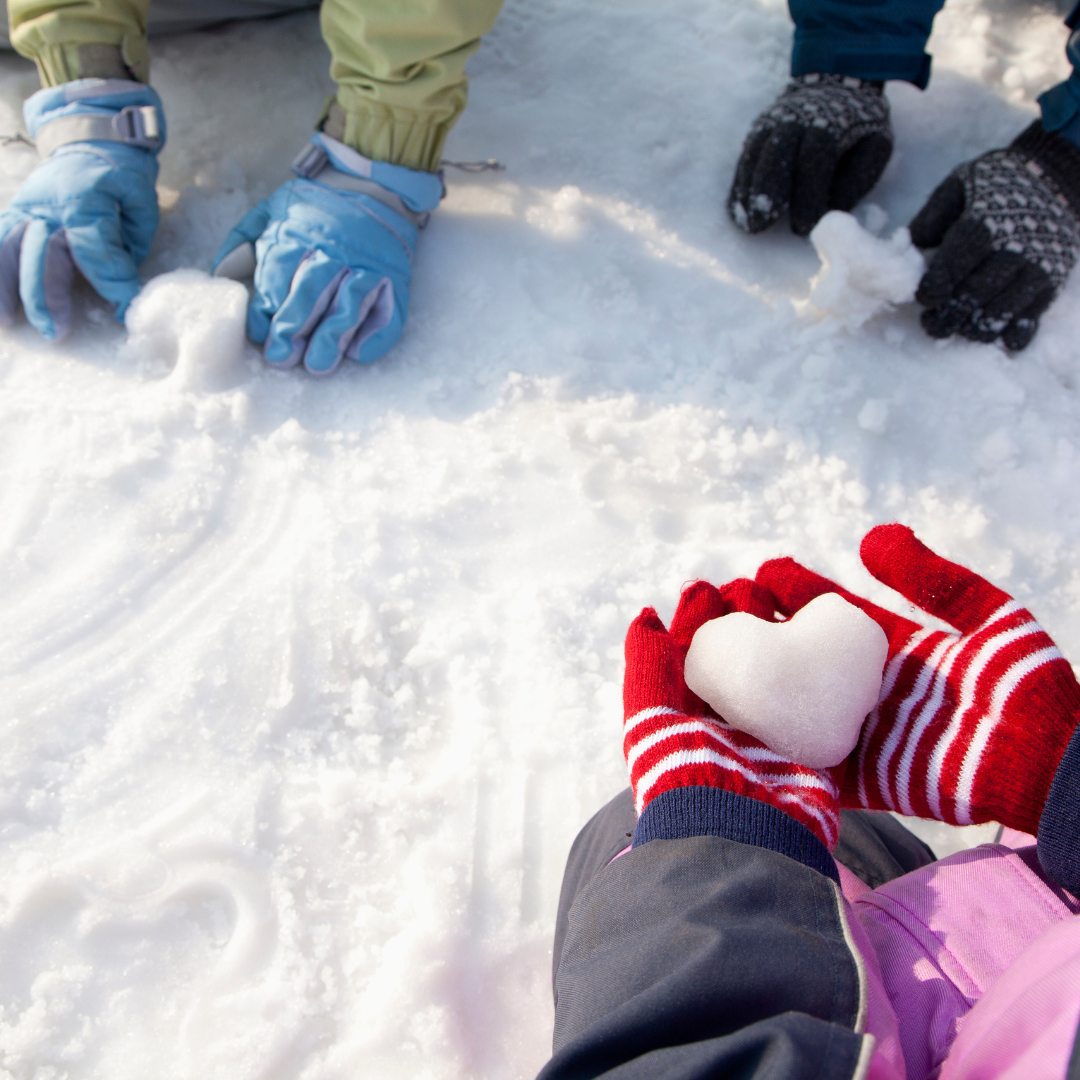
(681, 813)
(1060, 107)
(811, 54)
(1060, 104)
(1059, 827)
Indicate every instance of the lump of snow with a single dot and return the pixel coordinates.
(195, 322)
(803, 687)
(874, 416)
(862, 274)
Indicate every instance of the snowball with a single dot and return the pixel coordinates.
(861, 275)
(193, 319)
(803, 687)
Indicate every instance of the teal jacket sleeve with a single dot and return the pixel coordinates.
(886, 39)
(1061, 104)
(868, 39)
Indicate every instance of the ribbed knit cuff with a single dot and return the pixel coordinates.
(1056, 154)
(680, 813)
(1059, 827)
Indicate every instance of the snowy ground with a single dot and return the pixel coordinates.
(307, 685)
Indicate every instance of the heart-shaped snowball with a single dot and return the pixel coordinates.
(803, 687)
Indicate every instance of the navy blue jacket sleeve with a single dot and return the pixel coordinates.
(870, 39)
(886, 39)
(695, 956)
(1061, 104)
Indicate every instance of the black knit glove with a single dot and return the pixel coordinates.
(1008, 226)
(822, 146)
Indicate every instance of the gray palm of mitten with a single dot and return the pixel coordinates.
(1007, 229)
(822, 146)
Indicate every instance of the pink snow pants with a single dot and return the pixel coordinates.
(973, 967)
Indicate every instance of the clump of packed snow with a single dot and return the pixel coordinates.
(803, 687)
(861, 274)
(306, 685)
(192, 326)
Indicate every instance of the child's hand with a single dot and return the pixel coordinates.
(672, 739)
(971, 725)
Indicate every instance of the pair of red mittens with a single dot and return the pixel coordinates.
(972, 725)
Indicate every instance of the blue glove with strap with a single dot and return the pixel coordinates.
(332, 253)
(91, 204)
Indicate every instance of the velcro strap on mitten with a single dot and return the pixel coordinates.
(313, 163)
(135, 125)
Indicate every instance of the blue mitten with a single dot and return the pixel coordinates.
(332, 256)
(90, 204)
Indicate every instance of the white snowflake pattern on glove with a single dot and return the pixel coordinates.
(1024, 210)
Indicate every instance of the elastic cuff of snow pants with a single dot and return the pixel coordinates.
(388, 133)
(59, 63)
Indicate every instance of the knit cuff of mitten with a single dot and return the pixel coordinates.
(851, 82)
(1059, 826)
(1055, 154)
(680, 813)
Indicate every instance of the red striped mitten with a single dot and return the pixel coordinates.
(971, 725)
(672, 739)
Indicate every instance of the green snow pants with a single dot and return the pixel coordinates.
(399, 64)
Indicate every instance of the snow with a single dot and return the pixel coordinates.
(308, 684)
(862, 275)
(191, 326)
(803, 687)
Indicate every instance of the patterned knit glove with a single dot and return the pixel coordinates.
(970, 726)
(822, 146)
(1008, 226)
(672, 739)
